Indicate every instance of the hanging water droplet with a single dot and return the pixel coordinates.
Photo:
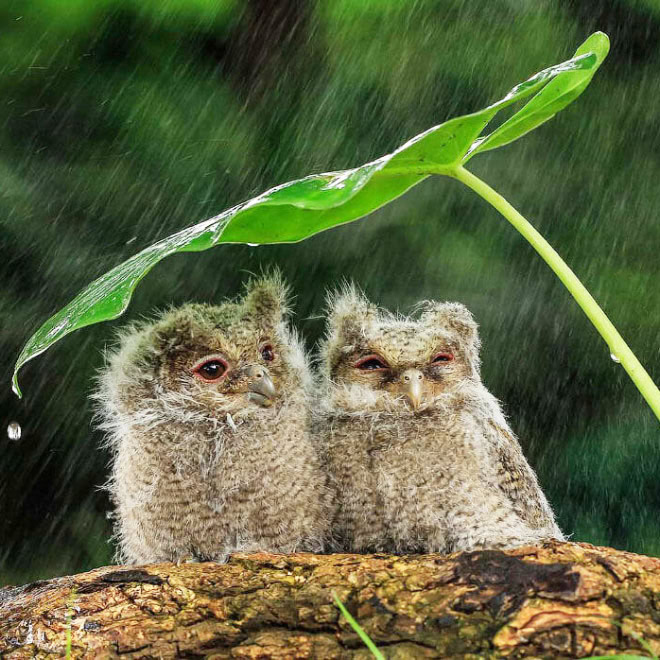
(615, 358)
(14, 431)
(253, 244)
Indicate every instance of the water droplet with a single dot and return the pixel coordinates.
(615, 358)
(253, 244)
(14, 431)
(53, 331)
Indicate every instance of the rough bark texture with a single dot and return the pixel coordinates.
(562, 600)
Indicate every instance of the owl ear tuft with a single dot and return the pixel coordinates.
(266, 299)
(347, 311)
(458, 319)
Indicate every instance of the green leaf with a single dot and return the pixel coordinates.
(299, 209)
(552, 98)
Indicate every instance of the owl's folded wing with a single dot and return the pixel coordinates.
(517, 480)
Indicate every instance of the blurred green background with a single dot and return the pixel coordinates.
(122, 121)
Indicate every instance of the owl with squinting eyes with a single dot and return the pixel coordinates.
(207, 411)
(420, 452)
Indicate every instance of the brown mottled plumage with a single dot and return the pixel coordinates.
(207, 414)
(422, 456)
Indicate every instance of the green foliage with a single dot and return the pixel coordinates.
(297, 210)
(556, 95)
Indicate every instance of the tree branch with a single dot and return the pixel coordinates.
(560, 600)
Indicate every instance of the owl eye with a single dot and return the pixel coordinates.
(267, 353)
(210, 371)
(442, 357)
(371, 363)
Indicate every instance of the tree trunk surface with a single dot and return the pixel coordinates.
(559, 600)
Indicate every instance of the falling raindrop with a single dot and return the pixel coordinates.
(615, 358)
(14, 431)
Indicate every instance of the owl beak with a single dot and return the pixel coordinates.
(412, 384)
(260, 385)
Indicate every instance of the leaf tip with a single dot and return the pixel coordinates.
(598, 43)
(14, 384)
(603, 41)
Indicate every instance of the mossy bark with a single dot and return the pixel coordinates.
(561, 600)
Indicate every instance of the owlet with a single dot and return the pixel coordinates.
(207, 411)
(422, 456)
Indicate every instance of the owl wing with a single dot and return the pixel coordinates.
(517, 479)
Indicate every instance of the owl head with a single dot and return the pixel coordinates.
(200, 362)
(374, 360)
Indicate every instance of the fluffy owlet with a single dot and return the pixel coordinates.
(207, 413)
(422, 456)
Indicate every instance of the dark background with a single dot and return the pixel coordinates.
(122, 121)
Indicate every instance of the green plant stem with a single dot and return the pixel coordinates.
(68, 634)
(368, 642)
(618, 347)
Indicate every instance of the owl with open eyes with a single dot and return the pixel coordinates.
(420, 452)
(207, 411)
